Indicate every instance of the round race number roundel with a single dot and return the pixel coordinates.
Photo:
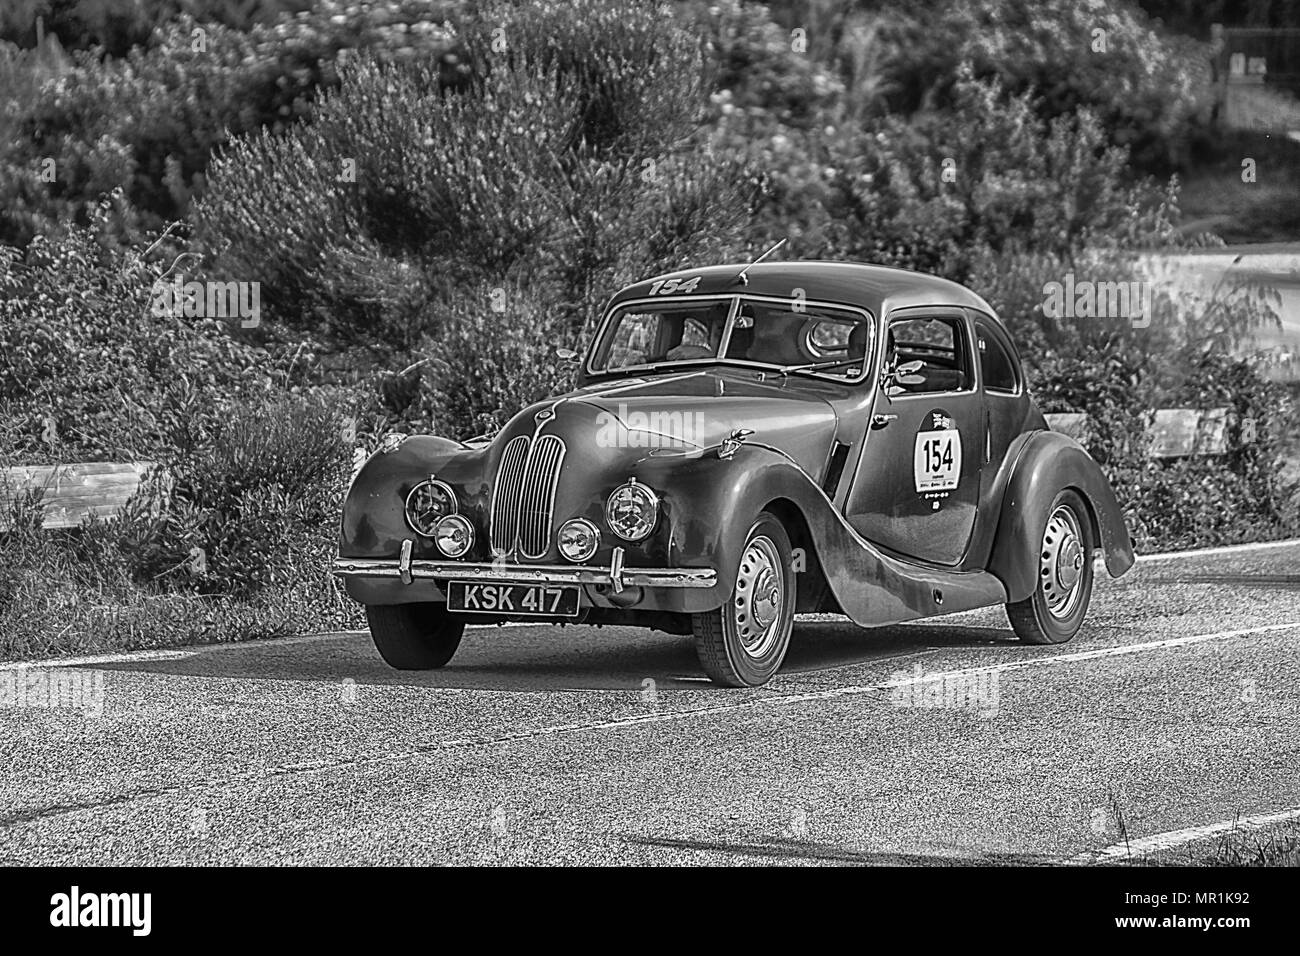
(936, 457)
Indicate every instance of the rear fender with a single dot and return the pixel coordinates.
(1049, 463)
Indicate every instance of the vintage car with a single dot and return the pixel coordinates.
(745, 443)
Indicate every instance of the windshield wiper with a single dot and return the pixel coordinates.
(819, 366)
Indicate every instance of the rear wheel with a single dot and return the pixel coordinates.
(743, 643)
(1054, 612)
(414, 637)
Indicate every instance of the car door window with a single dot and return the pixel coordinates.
(939, 344)
(996, 365)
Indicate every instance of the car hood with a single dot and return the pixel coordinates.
(696, 410)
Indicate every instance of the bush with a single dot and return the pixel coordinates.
(255, 508)
(253, 446)
(119, 25)
(941, 189)
(488, 365)
(91, 372)
(1200, 501)
(148, 122)
(239, 548)
(1149, 89)
(566, 166)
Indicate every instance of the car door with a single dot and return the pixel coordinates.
(917, 482)
(1005, 401)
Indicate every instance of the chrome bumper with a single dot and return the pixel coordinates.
(615, 575)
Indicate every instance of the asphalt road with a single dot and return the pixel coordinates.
(937, 742)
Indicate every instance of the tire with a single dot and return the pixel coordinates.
(1054, 612)
(414, 637)
(743, 643)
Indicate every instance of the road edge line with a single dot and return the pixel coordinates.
(1168, 840)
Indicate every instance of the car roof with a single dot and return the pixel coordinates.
(879, 289)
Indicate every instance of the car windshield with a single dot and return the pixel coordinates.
(793, 336)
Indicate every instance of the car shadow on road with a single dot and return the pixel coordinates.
(534, 659)
(788, 849)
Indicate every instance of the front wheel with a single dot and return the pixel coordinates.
(743, 643)
(414, 637)
(1054, 612)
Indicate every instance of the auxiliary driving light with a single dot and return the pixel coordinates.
(454, 535)
(578, 539)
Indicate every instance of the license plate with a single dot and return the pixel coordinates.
(531, 600)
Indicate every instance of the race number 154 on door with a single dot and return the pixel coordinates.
(936, 459)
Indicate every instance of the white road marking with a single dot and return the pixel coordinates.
(1175, 838)
(1024, 663)
(94, 659)
(652, 717)
(923, 678)
(1208, 552)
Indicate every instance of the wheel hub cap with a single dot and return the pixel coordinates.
(1060, 566)
(759, 597)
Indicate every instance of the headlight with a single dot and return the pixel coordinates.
(429, 502)
(632, 511)
(578, 539)
(454, 535)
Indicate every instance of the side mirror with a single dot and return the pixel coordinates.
(905, 374)
(566, 355)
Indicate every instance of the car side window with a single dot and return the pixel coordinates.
(996, 364)
(938, 343)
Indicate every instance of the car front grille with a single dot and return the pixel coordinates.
(524, 495)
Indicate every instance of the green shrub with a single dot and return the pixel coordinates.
(255, 507)
(254, 446)
(89, 371)
(1243, 495)
(119, 25)
(1147, 88)
(148, 122)
(565, 166)
(940, 190)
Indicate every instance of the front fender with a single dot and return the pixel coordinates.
(871, 587)
(1049, 463)
(373, 523)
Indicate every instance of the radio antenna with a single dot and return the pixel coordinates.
(744, 279)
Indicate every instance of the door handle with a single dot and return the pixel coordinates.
(880, 421)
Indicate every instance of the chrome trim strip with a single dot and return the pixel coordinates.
(529, 573)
